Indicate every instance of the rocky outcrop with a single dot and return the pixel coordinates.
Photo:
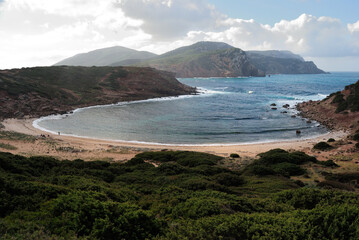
(330, 112)
(41, 91)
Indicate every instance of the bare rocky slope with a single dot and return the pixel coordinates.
(43, 91)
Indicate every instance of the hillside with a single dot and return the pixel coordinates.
(205, 59)
(339, 110)
(202, 59)
(171, 195)
(43, 91)
(105, 57)
(282, 62)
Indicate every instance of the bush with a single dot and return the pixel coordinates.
(357, 145)
(288, 169)
(328, 184)
(234, 155)
(331, 140)
(260, 170)
(322, 146)
(328, 163)
(228, 179)
(356, 137)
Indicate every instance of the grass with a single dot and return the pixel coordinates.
(7, 146)
(10, 135)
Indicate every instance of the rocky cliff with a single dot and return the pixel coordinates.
(43, 91)
(282, 62)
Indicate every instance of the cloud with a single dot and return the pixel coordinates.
(306, 35)
(170, 19)
(42, 32)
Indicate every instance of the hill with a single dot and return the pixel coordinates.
(202, 59)
(43, 91)
(205, 59)
(282, 62)
(339, 110)
(105, 57)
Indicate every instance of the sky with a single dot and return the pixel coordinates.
(43, 32)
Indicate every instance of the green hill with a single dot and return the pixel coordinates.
(205, 59)
(104, 57)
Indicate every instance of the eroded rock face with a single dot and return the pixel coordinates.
(41, 91)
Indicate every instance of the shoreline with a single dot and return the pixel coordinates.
(91, 148)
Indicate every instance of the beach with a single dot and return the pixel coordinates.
(69, 147)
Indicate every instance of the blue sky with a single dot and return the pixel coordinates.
(272, 11)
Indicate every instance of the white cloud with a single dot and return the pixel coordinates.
(306, 35)
(171, 19)
(42, 32)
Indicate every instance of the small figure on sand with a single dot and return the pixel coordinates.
(59, 133)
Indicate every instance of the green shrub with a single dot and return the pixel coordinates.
(331, 140)
(328, 163)
(275, 156)
(339, 97)
(328, 184)
(322, 146)
(228, 179)
(234, 155)
(260, 170)
(357, 145)
(7, 146)
(288, 169)
(356, 137)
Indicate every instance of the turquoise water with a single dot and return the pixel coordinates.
(229, 110)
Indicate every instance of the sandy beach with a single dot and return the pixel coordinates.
(68, 147)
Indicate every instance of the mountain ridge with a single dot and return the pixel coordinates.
(222, 61)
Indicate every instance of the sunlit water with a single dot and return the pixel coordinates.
(231, 110)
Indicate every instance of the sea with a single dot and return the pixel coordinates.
(226, 111)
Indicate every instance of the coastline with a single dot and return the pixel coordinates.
(90, 148)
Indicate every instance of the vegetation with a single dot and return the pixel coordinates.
(234, 155)
(323, 146)
(9, 135)
(170, 195)
(43, 91)
(349, 101)
(331, 140)
(7, 146)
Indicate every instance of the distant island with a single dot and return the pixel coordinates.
(202, 59)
